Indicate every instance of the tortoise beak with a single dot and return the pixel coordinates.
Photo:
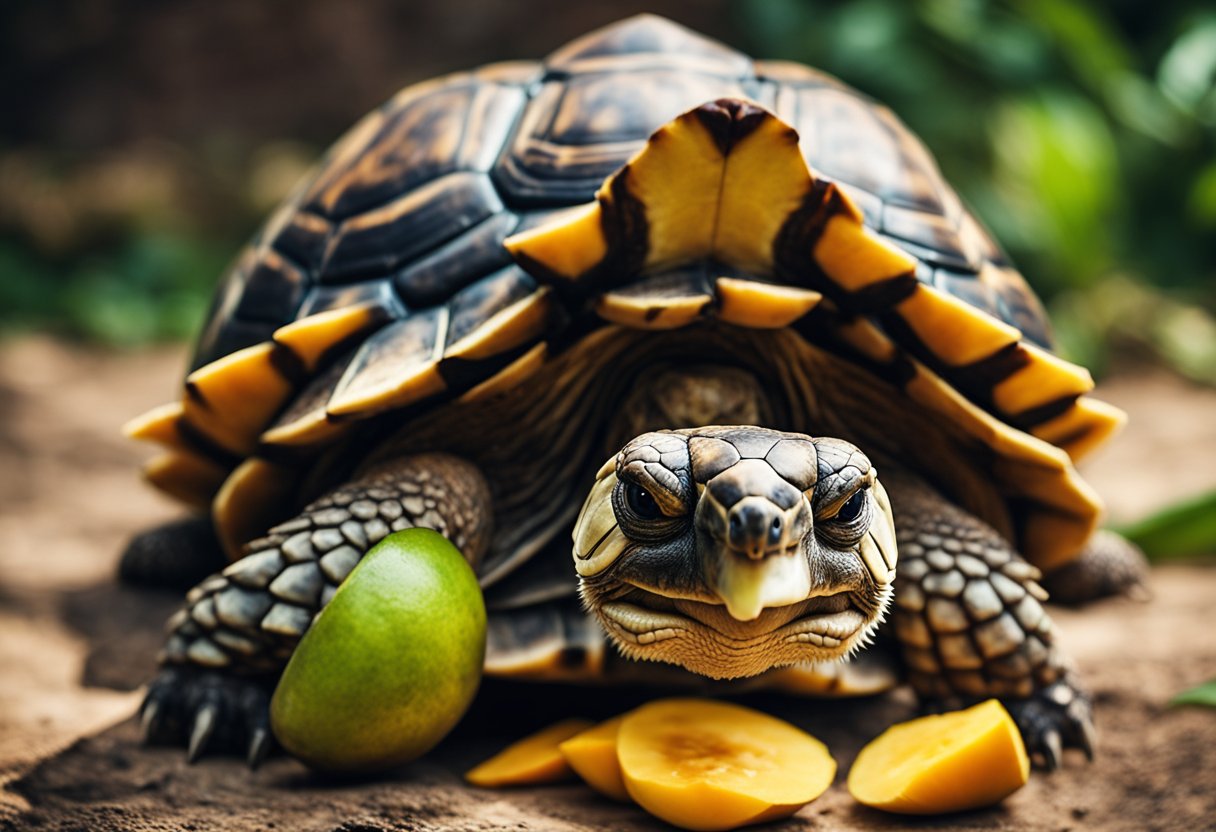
(747, 586)
(751, 524)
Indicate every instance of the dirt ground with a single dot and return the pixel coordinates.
(75, 647)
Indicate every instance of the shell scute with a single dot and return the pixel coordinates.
(418, 140)
(474, 307)
(446, 270)
(274, 290)
(378, 241)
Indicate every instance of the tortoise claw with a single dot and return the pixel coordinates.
(1052, 749)
(1052, 719)
(209, 713)
(204, 727)
(259, 747)
(1086, 739)
(150, 719)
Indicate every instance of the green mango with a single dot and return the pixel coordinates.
(390, 665)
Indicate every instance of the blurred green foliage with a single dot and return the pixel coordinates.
(1083, 132)
(1184, 530)
(126, 247)
(1204, 694)
(139, 289)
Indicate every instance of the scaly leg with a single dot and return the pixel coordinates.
(175, 555)
(1108, 565)
(969, 616)
(228, 645)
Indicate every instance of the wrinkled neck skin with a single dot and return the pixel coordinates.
(691, 396)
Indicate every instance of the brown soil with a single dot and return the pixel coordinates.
(75, 647)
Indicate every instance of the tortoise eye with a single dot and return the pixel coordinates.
(852, 507)
(641, 503)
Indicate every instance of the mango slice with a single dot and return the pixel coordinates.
(592, 755)
(945, 763)
(707, 765)
(534, 759)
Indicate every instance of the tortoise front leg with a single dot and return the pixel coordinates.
(175, 555)
(969, 616)
(226, 648)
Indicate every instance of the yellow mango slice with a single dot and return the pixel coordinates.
(592, 755)
(707, 765)
(944, 763)
(534, 759)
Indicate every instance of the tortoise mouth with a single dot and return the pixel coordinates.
(704, 638)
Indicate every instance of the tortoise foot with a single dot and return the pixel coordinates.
(1108, 565)
(176, 555)
(1056, 717)
(209, 713)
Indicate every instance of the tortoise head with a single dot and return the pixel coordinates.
(733, 550)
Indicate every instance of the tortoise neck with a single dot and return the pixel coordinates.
(691, 396)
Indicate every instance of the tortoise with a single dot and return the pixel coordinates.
(744, 285)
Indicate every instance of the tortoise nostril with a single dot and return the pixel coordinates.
(755, 527)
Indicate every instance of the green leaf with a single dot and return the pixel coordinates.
(1188, 71)
(1204, 694)
(1183, 530)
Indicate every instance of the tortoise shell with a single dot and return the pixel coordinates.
(475, 225)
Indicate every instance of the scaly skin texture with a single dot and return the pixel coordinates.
(969, 617)
(227, 646)
(1108, 565)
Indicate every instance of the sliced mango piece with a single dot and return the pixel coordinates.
(592, 755)
(943, 763)
(707, 765)
(534, 759)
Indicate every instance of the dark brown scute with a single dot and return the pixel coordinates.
(303, 238)
(473, 305)
(455, 264)
(464, 373)
(420, 140)
(650, 41)
(821, 326)
(797, 237)
(796, 240)
(381, 240)
(273, 291)
(881, 296)
(402, 344)
(1028, 419)
(627, 233)
(288, 365)
(730, 120)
